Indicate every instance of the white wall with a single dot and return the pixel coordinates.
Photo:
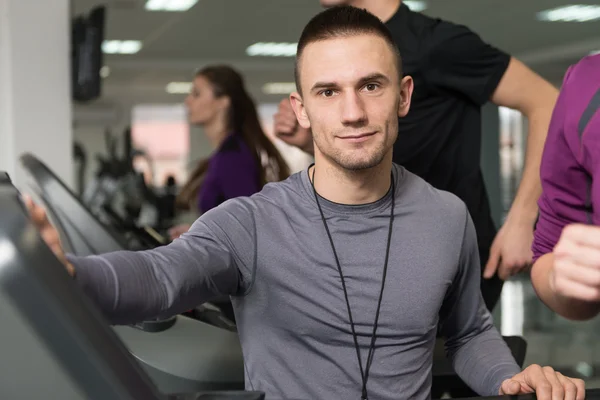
(35, 89)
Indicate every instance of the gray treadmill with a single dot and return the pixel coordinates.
(54, 342)
(180, 354)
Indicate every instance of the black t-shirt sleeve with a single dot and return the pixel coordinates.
(457, 59)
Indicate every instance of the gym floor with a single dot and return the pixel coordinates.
(570, 347)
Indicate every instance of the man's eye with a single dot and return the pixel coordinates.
(371, 87)
(327, 93)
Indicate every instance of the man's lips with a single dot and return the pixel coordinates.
(357, 137)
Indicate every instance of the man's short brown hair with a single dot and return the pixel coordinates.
(343, 21)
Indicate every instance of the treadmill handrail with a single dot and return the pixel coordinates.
(63, 318)
(46, 181)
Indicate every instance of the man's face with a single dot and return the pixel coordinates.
(351, 99)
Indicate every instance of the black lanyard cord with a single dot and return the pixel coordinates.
(364, 373)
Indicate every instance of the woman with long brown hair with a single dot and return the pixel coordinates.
(244, 159)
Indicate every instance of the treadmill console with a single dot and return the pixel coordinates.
(53, 338)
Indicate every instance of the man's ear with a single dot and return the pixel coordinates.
(299, 110)
(406, 91)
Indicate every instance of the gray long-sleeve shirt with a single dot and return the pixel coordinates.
(271, 253)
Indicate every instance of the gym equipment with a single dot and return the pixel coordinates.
(118, 187)
(75, 224)
(116, 184)
(54, 342)
(73, 218)
(180, 354)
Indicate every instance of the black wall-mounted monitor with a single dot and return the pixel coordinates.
(87, 36)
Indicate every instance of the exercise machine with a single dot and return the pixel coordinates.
(180, 354)
(54, 341)
(118, 190)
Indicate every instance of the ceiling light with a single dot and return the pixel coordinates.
(272, 49)
(179, 87)
(279, 88)
(170, 5)
(571, 13)
(105, 71)
(121, 46)
(415, 5)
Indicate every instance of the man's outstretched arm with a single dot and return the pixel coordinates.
(213, 259)
(522, 89)
(567, 280)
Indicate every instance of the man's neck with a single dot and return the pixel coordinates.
(382, 9)
(351, 187)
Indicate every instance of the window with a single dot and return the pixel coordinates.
(161, 134)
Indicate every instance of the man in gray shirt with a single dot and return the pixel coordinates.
(341, 274)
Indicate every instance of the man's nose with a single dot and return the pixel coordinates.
(353, 109)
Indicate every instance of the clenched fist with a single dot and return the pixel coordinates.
(576, 270)
(288, 129)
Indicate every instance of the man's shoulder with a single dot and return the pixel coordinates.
(428, 42)
(425, 26)
(273, 194)
(429, 199)
(411, 29)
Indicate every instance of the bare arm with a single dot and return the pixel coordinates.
(568, 307)
(459, 60)
(522, 89)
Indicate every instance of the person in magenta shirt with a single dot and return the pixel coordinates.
(244, 158)
(566, 246)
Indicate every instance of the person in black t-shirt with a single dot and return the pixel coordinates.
(455, 73)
